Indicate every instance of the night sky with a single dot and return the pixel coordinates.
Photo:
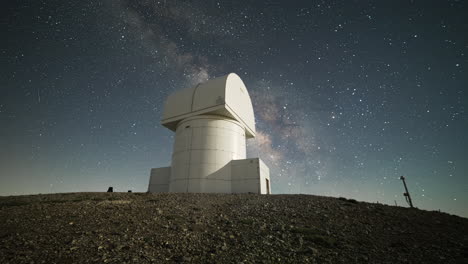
(348, 95)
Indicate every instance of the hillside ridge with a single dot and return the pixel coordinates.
(223, 228)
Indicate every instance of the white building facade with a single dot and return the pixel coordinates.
(211, 123)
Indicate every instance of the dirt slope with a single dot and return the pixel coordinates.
(219, 228)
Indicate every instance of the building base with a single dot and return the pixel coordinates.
(245, 176)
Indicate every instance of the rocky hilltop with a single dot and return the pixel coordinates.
(223, 228)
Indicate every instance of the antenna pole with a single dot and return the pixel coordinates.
(406, 194)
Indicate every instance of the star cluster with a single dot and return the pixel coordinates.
(348, 95)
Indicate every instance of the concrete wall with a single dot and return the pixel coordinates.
(249, 176)
(265, 188)
(159, 180)
(238, 176)
(203, 147)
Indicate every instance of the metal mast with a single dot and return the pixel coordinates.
(406, 193)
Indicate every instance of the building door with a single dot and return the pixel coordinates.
(267, 186)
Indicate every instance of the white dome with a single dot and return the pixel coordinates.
(224, 96)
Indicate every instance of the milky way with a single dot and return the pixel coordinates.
(348, 95)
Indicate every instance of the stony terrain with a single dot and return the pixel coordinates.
(220, 228)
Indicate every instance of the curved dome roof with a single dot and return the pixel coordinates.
(225, 96)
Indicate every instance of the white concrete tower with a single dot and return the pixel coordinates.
(211, 122)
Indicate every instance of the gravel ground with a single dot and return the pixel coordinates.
(223, 228)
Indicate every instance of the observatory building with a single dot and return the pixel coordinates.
(211, 122)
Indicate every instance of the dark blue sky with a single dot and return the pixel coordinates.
(349, 95)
